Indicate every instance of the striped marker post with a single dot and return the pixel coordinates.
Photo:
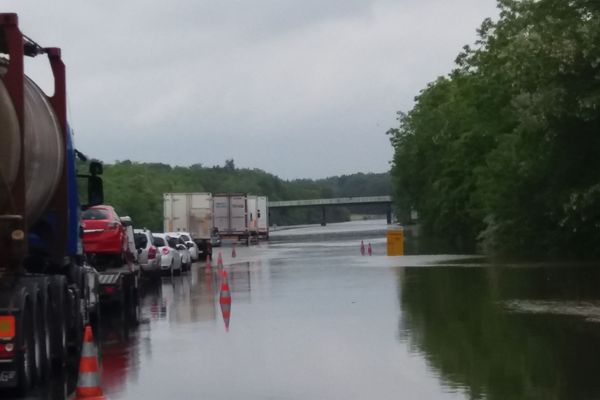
(88, 382)
(225, 300)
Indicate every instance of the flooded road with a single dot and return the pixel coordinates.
(316, 320)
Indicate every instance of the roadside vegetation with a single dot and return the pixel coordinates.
(502, 155)
(136, 189)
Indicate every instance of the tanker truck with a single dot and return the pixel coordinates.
(45, 286)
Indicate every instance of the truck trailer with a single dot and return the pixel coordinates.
(45, 293)
(230, 216)
(191, 213)
(262, 217)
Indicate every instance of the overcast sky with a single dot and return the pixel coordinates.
(301, 89)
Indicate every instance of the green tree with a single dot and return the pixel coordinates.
(504, 150)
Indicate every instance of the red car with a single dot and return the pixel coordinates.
(103, 232)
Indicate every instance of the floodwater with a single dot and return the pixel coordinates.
(317, 320)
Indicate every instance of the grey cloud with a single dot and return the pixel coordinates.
(298, 88)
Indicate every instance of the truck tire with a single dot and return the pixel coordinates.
(59, 307)
(25, 341)
(36, 311)
(74, 320)
(43, 331)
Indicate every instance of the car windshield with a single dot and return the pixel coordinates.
(95, 214)
(186, 238)
(158, 241)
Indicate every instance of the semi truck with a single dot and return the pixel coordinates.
(46, 290)
(258, 217)
(191, 213)
(230, 216)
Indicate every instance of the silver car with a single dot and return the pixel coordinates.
(170, 259)
(149, 256)
(189, 243)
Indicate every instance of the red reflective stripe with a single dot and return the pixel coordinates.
(89, 391)
(88, 364)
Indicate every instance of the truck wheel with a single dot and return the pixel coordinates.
(58, 325)
(45, 333)
(38, 329)
(26, 342)
(75, 328)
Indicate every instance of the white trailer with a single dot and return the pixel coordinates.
(252, 207)
(230, 216)
(262, 216)
(191, 213)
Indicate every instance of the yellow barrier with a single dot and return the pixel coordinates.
(395, 241)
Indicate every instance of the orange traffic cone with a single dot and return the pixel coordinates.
(233, 253)
(362, 248)
(225, 300)
(370, 250)
(220, 261)
(88, 382)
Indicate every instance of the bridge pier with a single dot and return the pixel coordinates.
(389, 214)
(323, 216)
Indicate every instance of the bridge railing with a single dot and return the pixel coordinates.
(335, 201)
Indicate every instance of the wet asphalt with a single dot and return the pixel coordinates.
(306, 316)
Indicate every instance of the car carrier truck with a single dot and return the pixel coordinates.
(45, 292)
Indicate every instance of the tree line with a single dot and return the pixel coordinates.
(136, 189)
(502, 155)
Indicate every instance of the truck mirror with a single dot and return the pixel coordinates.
(95, 191)
(96, 167)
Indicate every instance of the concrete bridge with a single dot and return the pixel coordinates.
(342, 201)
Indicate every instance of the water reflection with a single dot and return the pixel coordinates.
(120, 357)
(458, 319)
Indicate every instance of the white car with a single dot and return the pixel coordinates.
(189, 243)
(149, 257)
(186, 257)
(170, 259)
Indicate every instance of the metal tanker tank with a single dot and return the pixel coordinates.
(43, 150)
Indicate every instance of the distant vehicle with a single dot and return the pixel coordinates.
(189, 243)
(170, 259)
(148, 255)
(230, 216)
(190, 213)
(104, 236)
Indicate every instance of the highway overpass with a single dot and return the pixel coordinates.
(341, 201)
